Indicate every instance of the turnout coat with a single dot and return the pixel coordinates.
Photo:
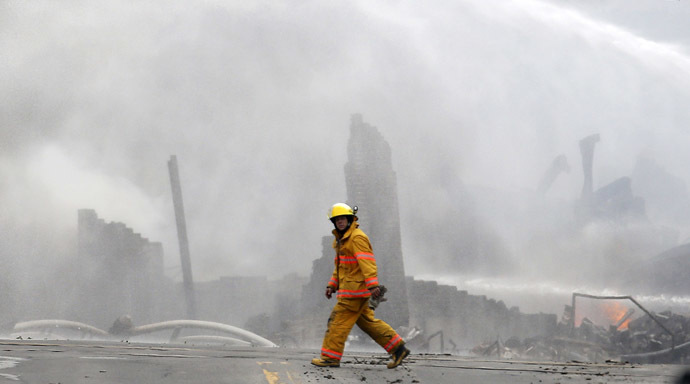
(355, 267)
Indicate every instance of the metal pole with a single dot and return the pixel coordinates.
(182, 237)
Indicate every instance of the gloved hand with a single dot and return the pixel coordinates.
(377, 294)
(329, 292)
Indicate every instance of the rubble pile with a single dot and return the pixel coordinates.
(643, 340)
(644, 335)
(544, 348)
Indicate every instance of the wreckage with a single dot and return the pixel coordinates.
(651, 338)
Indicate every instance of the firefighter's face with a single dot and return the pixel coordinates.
(341, 222)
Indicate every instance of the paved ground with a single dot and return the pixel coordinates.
(65, 362)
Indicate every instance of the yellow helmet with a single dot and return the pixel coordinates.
(341, 209)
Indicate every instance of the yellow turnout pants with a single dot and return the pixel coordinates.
(347, 313)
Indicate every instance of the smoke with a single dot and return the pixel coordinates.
(254, 99)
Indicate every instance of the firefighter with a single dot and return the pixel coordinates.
(354, 280)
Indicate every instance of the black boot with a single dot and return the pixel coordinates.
(398, 356)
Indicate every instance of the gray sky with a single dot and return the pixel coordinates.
(255, 100)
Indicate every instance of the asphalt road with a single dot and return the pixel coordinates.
(70, 362)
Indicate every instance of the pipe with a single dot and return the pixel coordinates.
(51, 324)
(216, 340)
(176, 325)
(253, 338)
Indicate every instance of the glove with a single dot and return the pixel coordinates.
(374, 302)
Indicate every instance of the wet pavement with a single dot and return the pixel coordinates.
(53, 362)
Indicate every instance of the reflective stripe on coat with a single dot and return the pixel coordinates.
(355, 266)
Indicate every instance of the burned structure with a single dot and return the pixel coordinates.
(451, 320)
(432, 317)
(120, 272)
(120, 275)
(614, 201)
(372, 186)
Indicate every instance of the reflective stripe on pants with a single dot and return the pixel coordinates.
(347, 313)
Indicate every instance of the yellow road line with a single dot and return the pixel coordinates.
(273, 377)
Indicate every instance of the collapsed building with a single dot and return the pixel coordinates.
(372, 186)
(443, 318)
(121, 272)
(613, 239)
(438, 317)
(614, 201)
(647, 256)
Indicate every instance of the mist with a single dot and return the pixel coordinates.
(475, 98)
